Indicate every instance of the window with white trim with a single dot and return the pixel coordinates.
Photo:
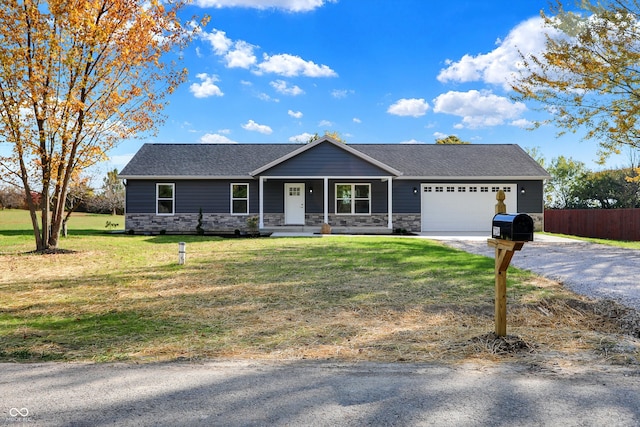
(239, 199)
(165, 198)
(353, 199)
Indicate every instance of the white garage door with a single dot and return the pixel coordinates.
(463, 207)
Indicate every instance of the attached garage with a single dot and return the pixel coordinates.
(463, 207)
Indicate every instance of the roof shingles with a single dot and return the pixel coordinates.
(419, 160)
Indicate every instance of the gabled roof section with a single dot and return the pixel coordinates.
(327, 140)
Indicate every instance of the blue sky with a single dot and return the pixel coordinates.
(376, 71)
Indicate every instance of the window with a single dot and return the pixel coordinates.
(427, 189)
(165, 199)
(294, 191)
(484, 189)
(495, 189)
(473, 189)
(451, 189)
(462, 189)
(439, 189)
(239, 199)
(352, 199)
(506, 189)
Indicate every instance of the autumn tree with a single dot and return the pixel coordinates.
(588, 76)
(77, 77)
(331, 134)
(450, 140)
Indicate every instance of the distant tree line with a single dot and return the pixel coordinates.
(108, 199)
(574, 186)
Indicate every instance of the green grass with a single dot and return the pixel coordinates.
(121, 297)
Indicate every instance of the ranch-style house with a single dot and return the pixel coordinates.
(365, 188)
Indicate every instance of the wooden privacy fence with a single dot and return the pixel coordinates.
(614, 224)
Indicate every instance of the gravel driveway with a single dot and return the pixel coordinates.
(589, 269)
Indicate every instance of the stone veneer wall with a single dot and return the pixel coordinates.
(538, 221)
(185, 223)
(211, 222)
(409, 222)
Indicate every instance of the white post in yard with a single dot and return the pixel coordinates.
(182, 253)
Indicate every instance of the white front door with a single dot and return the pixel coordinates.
(294, 204)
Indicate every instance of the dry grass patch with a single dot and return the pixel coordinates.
(381, 299)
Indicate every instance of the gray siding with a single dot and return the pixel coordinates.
(325, 160)
(213, 196)
(532, 201)
(190, 196)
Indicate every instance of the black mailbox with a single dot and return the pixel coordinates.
(512, 227)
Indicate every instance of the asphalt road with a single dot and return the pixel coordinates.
(305, 393)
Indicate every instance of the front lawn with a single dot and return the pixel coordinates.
(121, 297)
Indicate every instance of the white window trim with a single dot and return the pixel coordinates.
(173, 197)
(353, 198)
(237, 198)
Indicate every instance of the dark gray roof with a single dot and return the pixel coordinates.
(413, 160)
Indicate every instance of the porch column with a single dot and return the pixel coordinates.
(326, 200)
(390, 203)
(261, 197)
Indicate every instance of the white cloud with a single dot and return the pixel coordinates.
(265, 97)
(356, 120)
(409, 107)
(501, 64)
(291, 66)
(302, 138)
(522, 123)
(295, 114)
(440, 135)
(207, 88)
(325, 123)
(282, 87)
(341, 93)
(255, 127)
(241, 56)
(287, 5)
(213, 138)
(478, 109)
(411, 141)
(218, 41)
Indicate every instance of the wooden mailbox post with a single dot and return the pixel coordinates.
(504, 252)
